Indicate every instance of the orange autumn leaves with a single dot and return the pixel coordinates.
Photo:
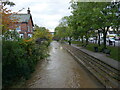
(6, 21)
(28, 40)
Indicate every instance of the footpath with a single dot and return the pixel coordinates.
(101, 56)
(105, 69)
(113, 63)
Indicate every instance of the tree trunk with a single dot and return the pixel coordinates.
(104, 36)
(98, 37)
(82, 40)
(70, 40)
(86, 38)
(87, 41)
(117, 30)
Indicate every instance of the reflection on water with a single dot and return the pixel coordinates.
(60, 70)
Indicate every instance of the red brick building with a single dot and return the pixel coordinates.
(25, 26)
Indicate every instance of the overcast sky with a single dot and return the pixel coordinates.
(45, 13)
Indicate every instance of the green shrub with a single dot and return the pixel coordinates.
(12, 60)
(20, 58)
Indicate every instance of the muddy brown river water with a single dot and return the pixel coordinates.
(61, 70)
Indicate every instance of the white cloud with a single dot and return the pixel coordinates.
(45, 13)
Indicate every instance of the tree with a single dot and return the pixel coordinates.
(91, 16)
(8, 22)
(87, 18)
(116, 10)
(64, 29)
(4, 3)
(106, 17)
(42, 33)
(82, 19)
(60, 32)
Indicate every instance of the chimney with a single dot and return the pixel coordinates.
(28, 11)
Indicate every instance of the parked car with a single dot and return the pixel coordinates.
(112, 39)
(117, 38)
(91, 38)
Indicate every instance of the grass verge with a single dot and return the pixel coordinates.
(114, 54)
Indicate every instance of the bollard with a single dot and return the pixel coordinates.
(96, 49)
(114, 43)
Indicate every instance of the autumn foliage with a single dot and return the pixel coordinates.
(19, 56)
(42, 32)
(7, 21)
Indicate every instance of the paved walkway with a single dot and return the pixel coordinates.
(100, 56)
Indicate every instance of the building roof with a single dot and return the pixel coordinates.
(22, 17)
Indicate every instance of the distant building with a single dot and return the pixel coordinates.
(25, 26)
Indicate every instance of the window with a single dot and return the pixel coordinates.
(31, 29)
(29, 35)
(21, 36)
(28, 28)
(18, 28)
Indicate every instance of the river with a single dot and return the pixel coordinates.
(60, 70)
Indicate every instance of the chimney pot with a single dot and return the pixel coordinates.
(28, 10)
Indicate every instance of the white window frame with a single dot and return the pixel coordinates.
(22, 35)
(29, 35)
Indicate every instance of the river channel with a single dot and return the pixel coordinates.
(61, 70)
